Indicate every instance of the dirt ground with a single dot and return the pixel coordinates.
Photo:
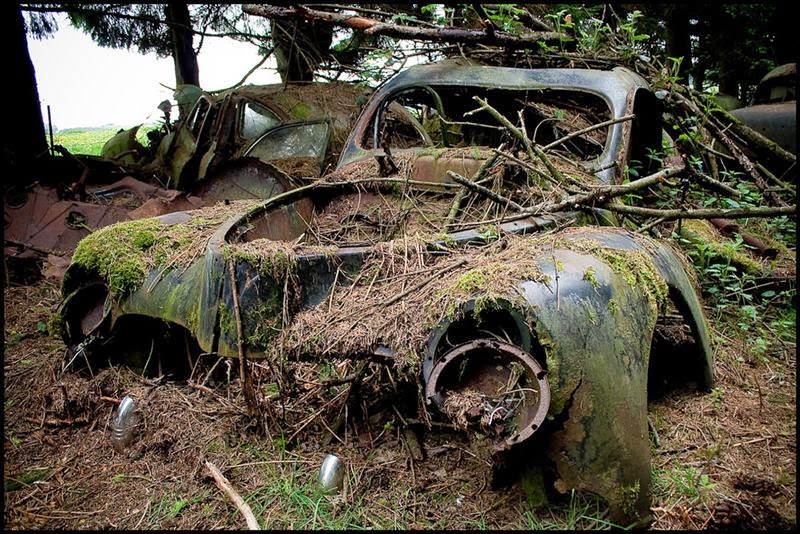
(721, 460)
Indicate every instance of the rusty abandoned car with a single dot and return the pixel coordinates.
(773, 108)
(243, 143)
(541, 334)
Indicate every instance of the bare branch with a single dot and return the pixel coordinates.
(223, 484)
(375, 27)
(710, 213)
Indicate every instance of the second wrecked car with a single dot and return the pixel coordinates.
(248, 142)
(539, 332)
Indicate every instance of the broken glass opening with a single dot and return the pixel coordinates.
(256, 120)
(447, 117)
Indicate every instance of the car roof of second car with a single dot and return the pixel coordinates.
(300, 101)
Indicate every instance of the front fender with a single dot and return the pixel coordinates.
(592, 320)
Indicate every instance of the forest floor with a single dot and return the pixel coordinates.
(722, 459)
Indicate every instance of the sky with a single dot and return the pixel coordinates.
(86, 85)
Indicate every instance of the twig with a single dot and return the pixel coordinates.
(459, 197)
(585, 131)
(375, 27)
(538, 172)
(425, 282)
(225, 486)
(58, 422)
(530, 147)
(485, 191)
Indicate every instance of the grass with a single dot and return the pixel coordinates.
(294, 500)
(583, 512)
(91, 140)
(84, 140)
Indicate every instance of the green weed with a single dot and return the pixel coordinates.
(583, 512)
(682, 481)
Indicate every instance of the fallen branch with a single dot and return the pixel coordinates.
(375, 27)
(732, 213)
(754, 138)
(592, 128)
(600, 194)
(605, 193)
(530, 147)
(733, 147)
(708, 182)
(461, 193)
(533, 169)
(247, 379)
(488, 193)
(225, 486)
(58, 422)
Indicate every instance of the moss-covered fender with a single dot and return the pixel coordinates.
(592, 319)
(595, 321)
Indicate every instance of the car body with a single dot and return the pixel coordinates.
(248, 142)
(574, 310)
(773, 109)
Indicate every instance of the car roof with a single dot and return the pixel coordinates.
(617, 81)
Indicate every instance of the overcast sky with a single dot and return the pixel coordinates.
(86, 85)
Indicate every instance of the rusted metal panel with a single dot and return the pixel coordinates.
(777, 122)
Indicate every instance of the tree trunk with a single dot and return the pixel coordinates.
(183, 55)
(299, 47)
(678, 43)
(785, 33)
(23, 138)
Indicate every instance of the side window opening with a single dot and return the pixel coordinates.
(647, 132)
(447, 117)
(198, 116)
(300, 146)
(256, 120)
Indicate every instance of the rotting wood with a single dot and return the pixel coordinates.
(223, 484)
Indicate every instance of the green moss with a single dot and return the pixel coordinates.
(471, 281)
(24, 479)
(590, 275)
(116, 253)
(613, 307)
(445, 238)
(702, 233)
(301, 111)
(485, 303)
(271, 261)
(227, 322)
(192, 319)
(124, 253)
(630, 498)
(488, 232)
(635, 266)
(55, 325)
(265, 321)
(533, 486)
